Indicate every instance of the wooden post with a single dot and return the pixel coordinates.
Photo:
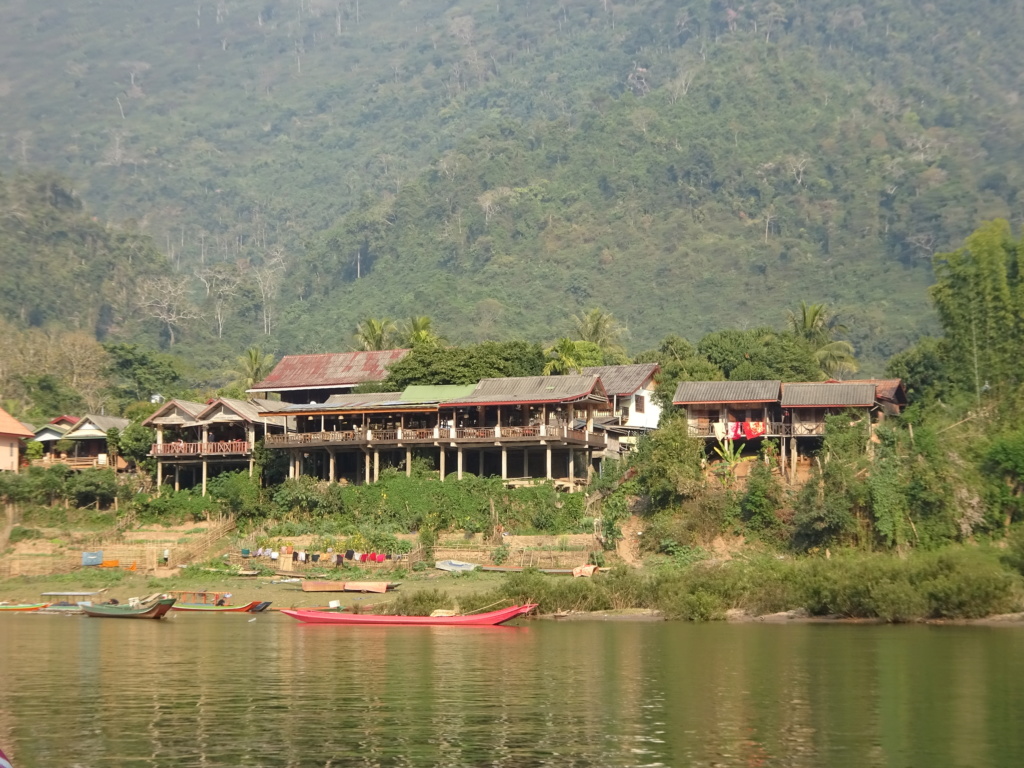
(330, 471)
(782, 458)
(204, 476)
(159, 475)
(408, 461)
(793, 454)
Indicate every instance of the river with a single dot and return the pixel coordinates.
(237, 690)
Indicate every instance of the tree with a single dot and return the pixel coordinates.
(679, 361)
(138, 374)
(818, 326)
(251, 368)
(465, 365)
(669, 462)
(375, 335)
(979, 295)
(419, 331)
(568, 356)
(167, 299)
(760, 353)
(600, 328)
(268, 279)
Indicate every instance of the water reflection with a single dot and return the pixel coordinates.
(226, 691)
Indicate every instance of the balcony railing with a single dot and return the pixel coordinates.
(773, 429)
(470, 435)
(214, 448)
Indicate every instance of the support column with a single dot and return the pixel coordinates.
(549, 461)
(408, 461)
(204, 476)
(159, 475)
(572, 470)
(440, 463)
(331, 465)
(481, 462)
(792, 459)
(782, 456)
(376, 464)
(366, 466)
(458, 455)
(177, 477)
(526, 462)
(504, 463)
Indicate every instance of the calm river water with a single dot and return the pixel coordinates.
(228, 691)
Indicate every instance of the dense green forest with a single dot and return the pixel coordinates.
(303, 164)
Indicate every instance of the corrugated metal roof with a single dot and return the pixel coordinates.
(249, 411)
(329, 370)
(90, 426)
(885, 389)
(166, 415)
(826, 394)
(534, 389)
(11, 426)
(693, 392)
(437, 393)
(345, 402)
(623, 379)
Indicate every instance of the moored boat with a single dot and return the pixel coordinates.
(489, 619)
(211, 602)
(23, 606)
(151, 610)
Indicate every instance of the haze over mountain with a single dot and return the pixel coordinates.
(502, 165)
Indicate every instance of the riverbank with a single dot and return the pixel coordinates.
(956, 584)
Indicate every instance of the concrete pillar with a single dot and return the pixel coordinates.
(481, 462)
(160, 434)
(159, 475)
(204, 476)
(458, 455)
(366, 466)
(376, 464)
(331, 466)
(549, 461)
(177, 478)
(572, 469)
(408, 461)
(792, 458)
(504, 463)
(441, 467)
(526, 463)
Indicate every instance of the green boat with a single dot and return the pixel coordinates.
(150, 610)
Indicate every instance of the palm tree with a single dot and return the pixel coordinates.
(564, 357)
(818, 326)
(251, 368)
(419, 332)
(601, 328)
(375, 335)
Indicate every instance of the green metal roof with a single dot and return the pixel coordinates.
(435, 393)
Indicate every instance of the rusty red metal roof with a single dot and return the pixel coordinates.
(891, 390)
(341, 369)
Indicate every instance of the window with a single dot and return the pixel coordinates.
(638, 403)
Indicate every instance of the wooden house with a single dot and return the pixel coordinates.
(314, 378)
(12, 432)
(49, 434)
(193, 439)
(529, 427)
(89, 439)
(736, 410)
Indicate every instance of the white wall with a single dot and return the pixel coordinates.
(9, 453)
(651, 414)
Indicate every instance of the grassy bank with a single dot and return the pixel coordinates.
(953, 584)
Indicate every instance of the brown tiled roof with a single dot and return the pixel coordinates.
(623, 380)
(534, 389)
(842, 394)
(329, 370)
(694, 392)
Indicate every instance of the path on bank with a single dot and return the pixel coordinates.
(5, 536)
(628, 547)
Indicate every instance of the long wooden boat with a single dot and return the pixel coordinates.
(24, 607)
(209, 602)
(154, 610)
(489, 619)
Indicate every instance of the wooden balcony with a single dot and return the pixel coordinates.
(774, 429)
(82, 462)
(477, 436)
(197, 450)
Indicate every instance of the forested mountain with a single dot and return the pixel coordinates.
(502, 165)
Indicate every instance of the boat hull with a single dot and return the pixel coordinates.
(155, 611)
(207, 608)
(490, 619)
(24, 607)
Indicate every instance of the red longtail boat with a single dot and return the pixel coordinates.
(489, 619)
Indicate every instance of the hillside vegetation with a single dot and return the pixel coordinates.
(688, 166)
